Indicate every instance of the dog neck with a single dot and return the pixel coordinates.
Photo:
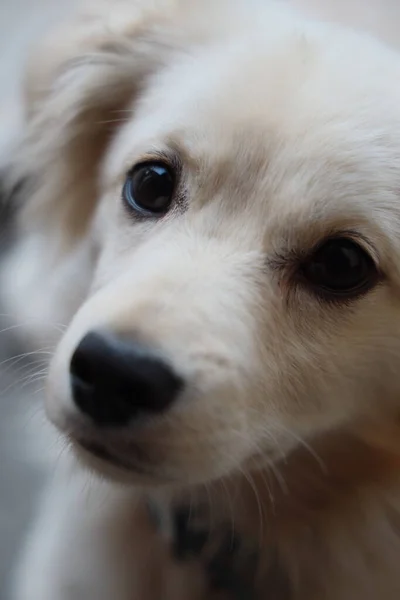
(275, 530)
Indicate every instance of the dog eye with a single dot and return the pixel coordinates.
(149, 188)
(340, 267)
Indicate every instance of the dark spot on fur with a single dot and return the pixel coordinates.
(229, 565)
(232, 569)
(230, 562)
(188, 542)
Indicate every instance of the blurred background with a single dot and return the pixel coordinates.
(27, 453)
(25, 450)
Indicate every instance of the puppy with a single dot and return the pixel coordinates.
(214, 211)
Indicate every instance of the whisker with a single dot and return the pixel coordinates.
(253, 486)
(305, 445)
(232, 512)
(14, 360)
(210, 506)
(111, 121)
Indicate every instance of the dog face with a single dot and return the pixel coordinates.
(245, 294)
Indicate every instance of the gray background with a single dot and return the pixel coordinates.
(25, 448)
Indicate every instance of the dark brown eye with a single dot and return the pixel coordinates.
(340, 267)
(149, 188)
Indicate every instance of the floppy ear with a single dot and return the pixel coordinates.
(77, 83)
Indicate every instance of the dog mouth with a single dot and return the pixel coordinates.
(103, 453)
(129, 464)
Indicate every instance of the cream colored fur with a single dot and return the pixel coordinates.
(288, 130)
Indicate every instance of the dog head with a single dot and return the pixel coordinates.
(235, 177)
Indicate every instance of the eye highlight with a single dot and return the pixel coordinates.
(339, 267)
(149, 188)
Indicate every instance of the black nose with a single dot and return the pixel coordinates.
(115, 380)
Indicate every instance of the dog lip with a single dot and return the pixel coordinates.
(101, 452)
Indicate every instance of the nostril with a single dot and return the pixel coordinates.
(80, 368)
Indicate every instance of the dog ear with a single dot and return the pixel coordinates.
(78, 83)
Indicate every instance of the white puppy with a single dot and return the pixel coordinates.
(214, 209)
